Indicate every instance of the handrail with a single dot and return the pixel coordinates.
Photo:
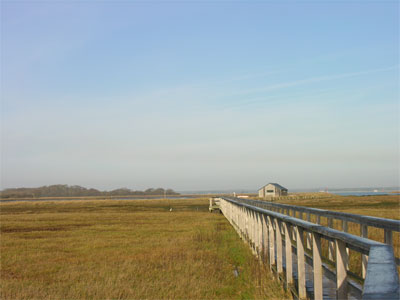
(353, 240)
(383, 223)
(388, 225)
(266, 231)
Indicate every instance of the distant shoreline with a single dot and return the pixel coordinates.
(138, 197)
(186, 196)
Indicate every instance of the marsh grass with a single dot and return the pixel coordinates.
(126, 250)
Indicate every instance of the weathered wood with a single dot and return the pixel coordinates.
(264, 238)
(345, 228)
(252, 230)
(288, 254)
(364, 258)
(271, 242)
(388, 237)
(382, 280)
(341, 270)
(279, 249)
(309, 235)
(247, 224)
(301, 272)
(331, 244)
(260, 235)
(256, 233)
(317, 266)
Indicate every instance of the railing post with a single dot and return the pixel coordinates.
(301, 263)
(331, 244)
(256, 228)
(288, 255)
(235, 216)
(243, 223)
(250, 226)
(247, 224)
(341, 270)
(279, 266)
(260, 236)
(231, 212)
(271, 243)
(243, 227)
(252, 229)
(317, 266)
(345, 228)
(239, 219)
(309, 235)
(364, 258)
(388, 237)
(264, 238)
(257, 234)
(255, 231)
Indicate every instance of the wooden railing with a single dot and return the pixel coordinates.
(387, 225)
(275, 238)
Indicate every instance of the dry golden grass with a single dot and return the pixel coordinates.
(126, 250)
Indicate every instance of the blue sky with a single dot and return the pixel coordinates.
(200, 95)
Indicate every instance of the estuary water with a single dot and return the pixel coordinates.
(360, 193)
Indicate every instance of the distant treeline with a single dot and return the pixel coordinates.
(63, 190)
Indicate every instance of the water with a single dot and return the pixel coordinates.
(360, 193)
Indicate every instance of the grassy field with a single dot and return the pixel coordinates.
(126, 250)
(134, 249)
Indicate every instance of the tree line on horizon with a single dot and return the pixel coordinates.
(64, 190)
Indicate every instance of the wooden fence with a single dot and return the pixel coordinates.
(277, 238)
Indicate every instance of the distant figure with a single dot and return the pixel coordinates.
(170, 209)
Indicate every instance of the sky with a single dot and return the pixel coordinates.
(200, 95)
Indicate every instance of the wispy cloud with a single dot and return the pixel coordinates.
(316, 79)
(248, 101)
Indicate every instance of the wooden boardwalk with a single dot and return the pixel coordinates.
(214, 205)
(292, 247)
